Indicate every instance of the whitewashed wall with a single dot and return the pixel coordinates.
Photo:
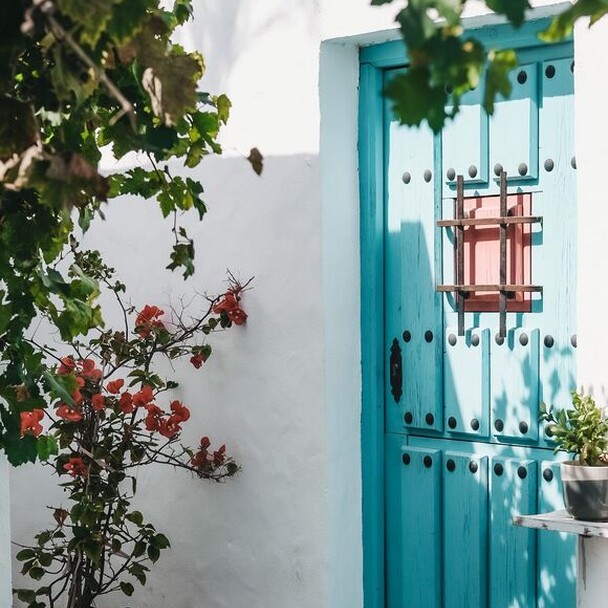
(284, 391)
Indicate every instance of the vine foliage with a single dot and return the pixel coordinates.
(78, 77)
(446, 61)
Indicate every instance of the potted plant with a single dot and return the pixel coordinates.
(582, 431)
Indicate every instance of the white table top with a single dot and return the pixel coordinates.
(560, 521)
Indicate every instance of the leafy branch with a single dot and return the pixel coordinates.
(446, 61)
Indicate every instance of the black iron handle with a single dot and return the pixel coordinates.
(396, 371)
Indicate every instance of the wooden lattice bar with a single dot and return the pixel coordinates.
(459, 244)
(502, 298)
(496, 287)
(491, 221)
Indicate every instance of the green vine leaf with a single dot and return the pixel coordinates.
(256, 160)
(91, 15)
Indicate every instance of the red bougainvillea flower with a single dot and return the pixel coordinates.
(77, 395)
(30, 423)
(219, 455)
(71, 414)
(180, 412)
(115, 386)
(66, 366)
(149, 319)
(142, 397)
(200, 460)
(229, 304)
(238, 316)
(126, 403)
(76, 467)
(153, 419)
(169, 427)
(98, 402)
(90, 371)
(198, 360)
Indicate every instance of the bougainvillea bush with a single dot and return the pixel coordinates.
(78, 77)
(110, 413)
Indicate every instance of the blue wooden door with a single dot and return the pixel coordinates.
(464, 450)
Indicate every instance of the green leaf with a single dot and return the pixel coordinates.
(223, 105)
(91, 15)
(92, 550)
(85, 215)
(36, 573)
(47, 446)
(416, 25)
(414, 99)
(562, 25)
(500, 64)
(128, 18)
(135, 517)
(20, 450)
(66, 80)
(127, 588)
(58, 387)
(139, 549)
(45, 559)
(183, 256)
(256, 160)
(77, 511)
(25, 595)
(25, 554)
(513, 10)
(139, 575)
(153, 553)
(169, 77)
(160, 541)
(182, 10)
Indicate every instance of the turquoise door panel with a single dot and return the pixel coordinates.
(465, 513)
(514, 126)
(558, 350)
(415, 545)
(467, 396)
(465, 143)
(556, 582)
(515, 385)
(395, 547)
(410, 238)
(463, 450)
(512, 549)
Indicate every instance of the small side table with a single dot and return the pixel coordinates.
(592, 552)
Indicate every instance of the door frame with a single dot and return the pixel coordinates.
(373, 60)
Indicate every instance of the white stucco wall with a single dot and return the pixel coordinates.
(284, 391)
(592, 158)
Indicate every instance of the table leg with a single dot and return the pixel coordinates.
(592, 584)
